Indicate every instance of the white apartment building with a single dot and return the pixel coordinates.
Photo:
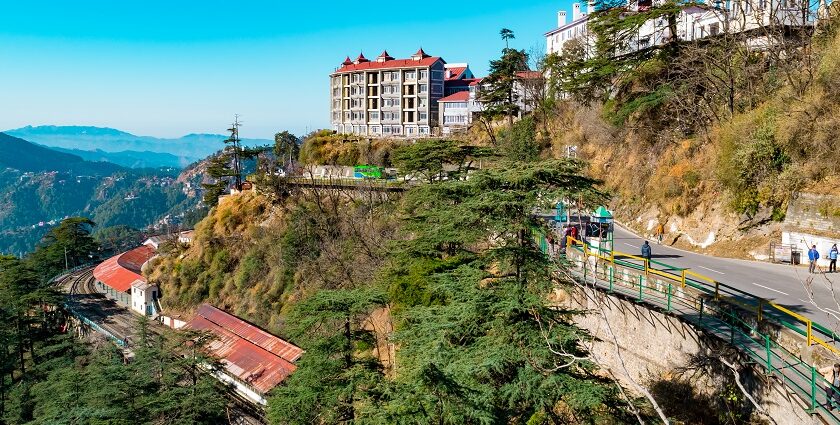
(458, 110)
(693, 23)
(387, 97)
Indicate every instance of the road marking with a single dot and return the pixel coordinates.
(632, 246)
(833, 311)
(711, 270)
(769, 288)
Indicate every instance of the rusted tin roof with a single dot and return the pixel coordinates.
(249, 353)
(250, 332)
(122, 270)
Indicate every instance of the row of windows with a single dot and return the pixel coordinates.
(386, 130)
(386, 103)
(386, 116)
(454, 119)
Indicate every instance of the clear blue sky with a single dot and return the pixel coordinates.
(168, 68)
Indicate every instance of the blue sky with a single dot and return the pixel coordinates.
(168, 68)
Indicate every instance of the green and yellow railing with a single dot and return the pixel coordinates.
(728, 312)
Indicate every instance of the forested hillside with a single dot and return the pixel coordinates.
(428, 306)
(39, 187)
(711, 137)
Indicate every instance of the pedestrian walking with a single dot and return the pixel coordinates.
(832, 256)
(660, 232)
(832, 388)
(574, 234)
(813, 256)
(646, 251)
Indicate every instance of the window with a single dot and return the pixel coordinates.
(421, 103)
(410, 75)
(424, 88)
(424, 130)
(374, 115)
(422, 116)
(424, 74)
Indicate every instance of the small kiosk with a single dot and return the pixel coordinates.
(599, 231)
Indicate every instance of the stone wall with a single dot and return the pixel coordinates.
(808, 211)
(659, 351)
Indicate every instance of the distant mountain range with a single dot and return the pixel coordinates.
(119, 147)
(39, 186)
(130, 159)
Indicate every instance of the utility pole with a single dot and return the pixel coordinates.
(235, 143)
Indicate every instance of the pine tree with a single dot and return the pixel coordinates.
(484, 348)
(339, 372)
(498, 94)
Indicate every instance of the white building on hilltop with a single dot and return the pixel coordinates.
(746, 17)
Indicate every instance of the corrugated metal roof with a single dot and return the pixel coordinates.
(247, 352)
(122, 270)
(252, 333)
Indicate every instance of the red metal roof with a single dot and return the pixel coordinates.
(122, 270)
(396, 63)
(475, 81)
(247, 352)
(461, 96)
(456, 73)
(243, 359)
(251, 332)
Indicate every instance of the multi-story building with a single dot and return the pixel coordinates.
(387, 97)
(459, 109)
(745, 17)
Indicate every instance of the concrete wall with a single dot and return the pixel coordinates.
(658, 349)
(812, 220)
(820, 213)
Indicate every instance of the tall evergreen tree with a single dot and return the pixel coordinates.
(487, 346)
(498, 93)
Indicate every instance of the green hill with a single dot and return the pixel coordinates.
(40, 186)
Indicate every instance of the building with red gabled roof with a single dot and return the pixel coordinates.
(254, 360)
(387, 97)
(457, 77)
(121, 278)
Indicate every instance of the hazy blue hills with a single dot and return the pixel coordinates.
(133, 149)
(130, 159)
(19, 154)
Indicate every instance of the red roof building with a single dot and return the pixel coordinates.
(387, 97)
(461, 96)
(120, 271)
(255, 360)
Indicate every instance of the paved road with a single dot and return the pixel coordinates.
(790, 286)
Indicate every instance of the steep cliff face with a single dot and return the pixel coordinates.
(255, 257)
(726, 187)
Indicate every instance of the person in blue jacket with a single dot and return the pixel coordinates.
(832, 255)
(813, 256)
(646, 251)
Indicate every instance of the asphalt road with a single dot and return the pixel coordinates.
(790, 286)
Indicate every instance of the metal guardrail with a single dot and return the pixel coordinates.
(121, 342)
(729, 313)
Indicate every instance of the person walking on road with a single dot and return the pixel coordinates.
(832, 256)
(646, 251)
(813, 256)
(660, 233)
